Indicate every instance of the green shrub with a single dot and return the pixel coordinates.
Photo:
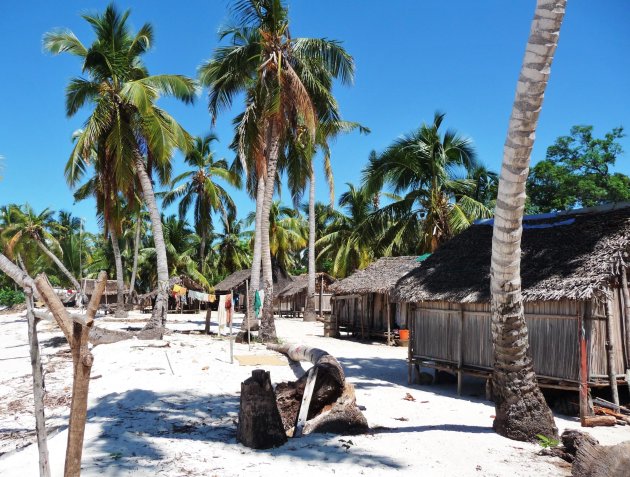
(9, 297)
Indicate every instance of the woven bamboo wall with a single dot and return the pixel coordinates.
(365, 312)
(553, 332)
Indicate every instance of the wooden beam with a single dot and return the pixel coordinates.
(583, 395)
(55, 306)
(612, 375)
(306, 401)
(625, 311)
(460, 360)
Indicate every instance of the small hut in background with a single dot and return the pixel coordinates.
(361, 303)
(292, 298)
(574, 283)
(238, 283)
(109, 295)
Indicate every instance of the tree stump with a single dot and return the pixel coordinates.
(259, 422)
(332, 407)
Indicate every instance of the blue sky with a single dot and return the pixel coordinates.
(412, 58)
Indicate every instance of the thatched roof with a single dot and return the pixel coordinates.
(233, 281)
(237, 279)
(569, 255)
(300, 283)
(380, 277)
(88, 284)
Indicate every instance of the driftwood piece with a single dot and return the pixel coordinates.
(333, 406)
(259, 422)
(596, 421)
(594, 460)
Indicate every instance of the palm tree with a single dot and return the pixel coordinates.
(344, 242)
(287, 234)
(521, 410)
(29, 226)
(199, 187)
(232, 246)
(436, 204)
(132, 136)
(287, 84)
(181, 246)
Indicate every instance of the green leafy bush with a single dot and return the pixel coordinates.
(9, 297)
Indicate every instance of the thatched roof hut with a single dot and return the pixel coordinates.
(570, 255)
(574, 277)
(236, 281)
(292, 298)
(299, 284)
(88, 285)
(362, 304)
(379, 277)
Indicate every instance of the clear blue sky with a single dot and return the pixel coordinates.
(412, 58)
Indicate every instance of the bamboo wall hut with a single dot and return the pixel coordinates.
(574, 281)
(238, 283)
(109, 295)
(361, 303)
(292, 298)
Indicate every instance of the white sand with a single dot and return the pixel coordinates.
(145, 420)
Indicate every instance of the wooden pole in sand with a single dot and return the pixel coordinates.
(249, 338)
(229, 314)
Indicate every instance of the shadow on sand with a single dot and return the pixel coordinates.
(134, 422)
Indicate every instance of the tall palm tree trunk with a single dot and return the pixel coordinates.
(136, 250)
(202, 249)
(309, 312)
(521, 410)
(120, 279)
(158, 318)
(62, 267)
(267, 325)
(254, 281)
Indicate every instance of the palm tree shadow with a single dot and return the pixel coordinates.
(134, 422)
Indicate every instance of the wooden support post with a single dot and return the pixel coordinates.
(230, 312)
(208, 320)
(321, 295)
(388, 318)
(249, 335)
(625, 293)
(583, 396)
(410, 324)
(612, 375)
(306, 401)
(460, 358)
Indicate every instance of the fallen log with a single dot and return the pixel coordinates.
(332, 406)
(594, 460)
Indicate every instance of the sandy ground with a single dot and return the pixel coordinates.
(170, 408)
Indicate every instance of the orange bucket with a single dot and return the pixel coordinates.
(404, 334)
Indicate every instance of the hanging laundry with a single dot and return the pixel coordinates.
(179, 290)
(258, 301)
(221, 315)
